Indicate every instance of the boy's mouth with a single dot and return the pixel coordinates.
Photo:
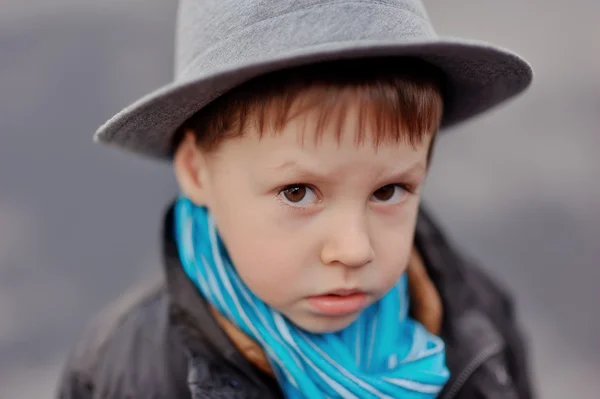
(339, 302)
(343, 292)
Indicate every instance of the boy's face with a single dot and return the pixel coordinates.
(318, 231)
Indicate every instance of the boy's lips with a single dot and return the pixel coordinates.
(339, 302)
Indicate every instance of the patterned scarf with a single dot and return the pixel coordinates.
(383, 354)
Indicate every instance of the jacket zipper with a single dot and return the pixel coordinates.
(477, 362)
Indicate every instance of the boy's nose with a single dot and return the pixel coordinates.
(348, 243)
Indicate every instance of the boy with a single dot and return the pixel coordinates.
(298, 260)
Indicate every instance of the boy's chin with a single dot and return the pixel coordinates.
(319, 324)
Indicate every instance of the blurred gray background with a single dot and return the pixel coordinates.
(519, 188)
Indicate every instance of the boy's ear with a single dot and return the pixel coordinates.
(189, 164)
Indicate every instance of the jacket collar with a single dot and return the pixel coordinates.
(190, 315)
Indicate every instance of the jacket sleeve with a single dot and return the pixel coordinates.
(516, 354)
(126, 352)
(80, 374)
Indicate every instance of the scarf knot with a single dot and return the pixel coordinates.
(383, 354)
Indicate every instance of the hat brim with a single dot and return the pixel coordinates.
(478, 77)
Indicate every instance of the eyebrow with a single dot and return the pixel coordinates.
(304, 172)
(416, 168)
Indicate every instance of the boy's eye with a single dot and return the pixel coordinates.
(299, 195)
(391, 193)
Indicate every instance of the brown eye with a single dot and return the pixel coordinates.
(298, 195)
(295, 193)
(390, 193)
(385, 193)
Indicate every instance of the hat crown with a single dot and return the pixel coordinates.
(205, 24)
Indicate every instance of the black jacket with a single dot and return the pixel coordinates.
(162, 341)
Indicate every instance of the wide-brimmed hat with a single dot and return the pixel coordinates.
(224, 43)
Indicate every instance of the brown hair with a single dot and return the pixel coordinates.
(400, 97)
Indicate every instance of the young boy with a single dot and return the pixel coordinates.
(299, 262)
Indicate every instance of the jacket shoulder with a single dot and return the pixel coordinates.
(126, 351)
(452, 269)
(467, 285)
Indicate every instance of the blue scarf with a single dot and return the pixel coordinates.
(383, 354)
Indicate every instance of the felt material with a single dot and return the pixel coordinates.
(224, 43)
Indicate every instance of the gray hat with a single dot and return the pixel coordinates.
(224, 43)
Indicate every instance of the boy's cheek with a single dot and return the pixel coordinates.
(277, 286)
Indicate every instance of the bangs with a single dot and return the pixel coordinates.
(393, 100)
